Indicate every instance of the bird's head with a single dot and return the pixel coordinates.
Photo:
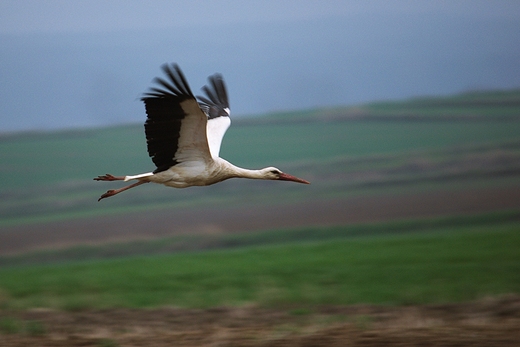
(272, 173)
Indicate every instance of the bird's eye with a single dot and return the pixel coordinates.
(276, 172)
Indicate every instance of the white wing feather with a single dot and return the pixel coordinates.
(215, 130)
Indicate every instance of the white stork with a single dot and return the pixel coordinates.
(183, 136)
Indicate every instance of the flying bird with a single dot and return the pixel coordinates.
(183, 136)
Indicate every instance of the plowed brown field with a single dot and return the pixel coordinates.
(491, 322)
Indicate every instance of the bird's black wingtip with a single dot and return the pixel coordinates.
(173, 86)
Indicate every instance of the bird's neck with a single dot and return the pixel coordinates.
(235, 171)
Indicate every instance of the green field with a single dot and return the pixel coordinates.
(48, 176)
(71, 157)
(465, 142)
(438, 264)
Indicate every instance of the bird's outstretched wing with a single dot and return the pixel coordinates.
(176, 125)
(216, 107)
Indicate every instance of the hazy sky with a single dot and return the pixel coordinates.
(51, 16)
(70, 64)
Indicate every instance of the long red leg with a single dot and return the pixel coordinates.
(109, 177)
(113, 192)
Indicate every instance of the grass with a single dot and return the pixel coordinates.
(443, 263)
(204, 242)
(9, 325)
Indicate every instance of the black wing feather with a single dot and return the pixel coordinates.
(165, 115)
(168, 88)
(216, 100)
(178, 79)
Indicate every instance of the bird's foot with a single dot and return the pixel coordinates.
(108, 194)
(113, 192)
(109, 177)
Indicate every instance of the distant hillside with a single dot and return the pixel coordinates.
(493, 104)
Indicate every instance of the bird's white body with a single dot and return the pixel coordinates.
(198, 173)
(184, 137)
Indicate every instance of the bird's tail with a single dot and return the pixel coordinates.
(136, 177)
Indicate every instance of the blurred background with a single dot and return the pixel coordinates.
(85, 64)
(404, 115)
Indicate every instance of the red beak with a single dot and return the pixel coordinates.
(286, 177)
